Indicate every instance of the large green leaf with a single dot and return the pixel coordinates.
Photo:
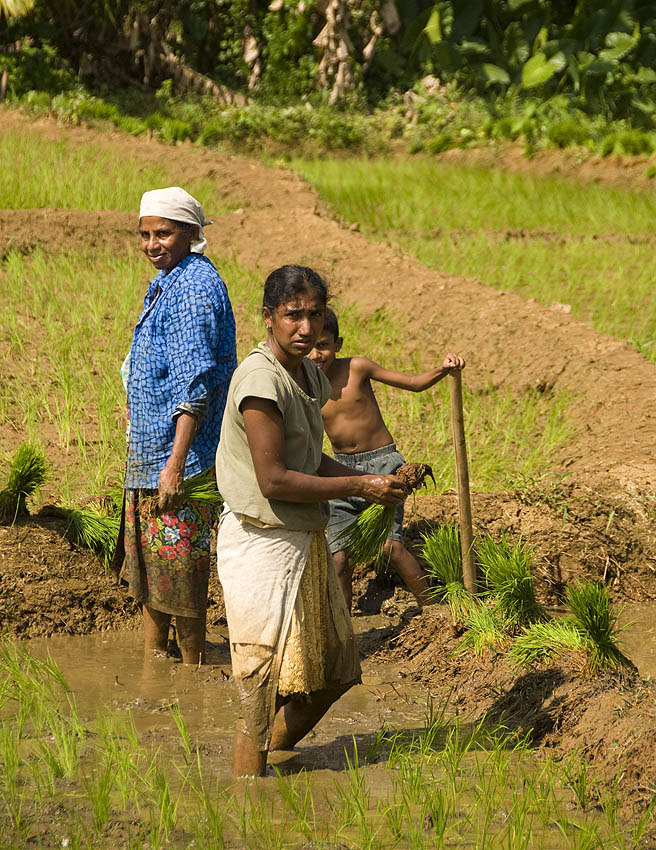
(539, 70)
(467, 19)
(495, 74)
(618, 45)
(433, 28)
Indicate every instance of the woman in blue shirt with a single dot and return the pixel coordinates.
(178, 371)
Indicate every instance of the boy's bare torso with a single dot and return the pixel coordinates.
(351, 417)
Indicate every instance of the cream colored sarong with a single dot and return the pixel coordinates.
(290, 630)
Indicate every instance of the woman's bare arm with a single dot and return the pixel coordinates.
(266, 441)
(170, 485)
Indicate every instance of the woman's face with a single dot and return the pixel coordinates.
(295, 325)
(163, 242)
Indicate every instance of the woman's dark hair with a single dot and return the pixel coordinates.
(287, 281)
(330, 323)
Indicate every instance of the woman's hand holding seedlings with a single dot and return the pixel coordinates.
(384, 490)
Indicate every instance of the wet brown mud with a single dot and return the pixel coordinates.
(109, 669)
(605, 721)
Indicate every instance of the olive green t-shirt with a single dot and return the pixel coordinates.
(260, 375)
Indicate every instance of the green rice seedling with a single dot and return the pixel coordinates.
(364, 539)
(594, 615)
(10, 782)
(507, 573)
(435, 725)
(484, 631)
(27, 472)
(98, 787)
(440, 810)
(579, 780)
(412, 780)
(541, 643)
(296, 792)
(640, 822)
(164, 811)
(441, 551)
(213, 807)
(67, 734)
(176, 713)
(394, 815)
(588, 639)
(92, 528)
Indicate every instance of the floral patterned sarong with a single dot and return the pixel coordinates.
(167, 556)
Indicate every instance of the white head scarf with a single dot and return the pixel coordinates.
(176, 204)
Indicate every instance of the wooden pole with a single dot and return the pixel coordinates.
(462, 471)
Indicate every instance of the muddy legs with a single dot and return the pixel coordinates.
(345, 576)
(191, 634)
(247, 760)
(292, 722)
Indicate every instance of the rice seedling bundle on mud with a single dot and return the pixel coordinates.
(27, 473)
(507, 573)
(587, 639)
(442, 553)
(364, 539)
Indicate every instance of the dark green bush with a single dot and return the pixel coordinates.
(37, 69)
(567, 132)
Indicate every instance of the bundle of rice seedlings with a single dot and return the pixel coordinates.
(441, 551)
(200, 489)
(590, 604)
(542, 643)
(588, 639)
(26, 474)
(364, 539)
(485, 630)
(507, 573)
(91, 527)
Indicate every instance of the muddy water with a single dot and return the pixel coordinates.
(108, 669)
(638, 640)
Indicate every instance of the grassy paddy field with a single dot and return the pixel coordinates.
(70, 780)
(68, 316)
(588, 246)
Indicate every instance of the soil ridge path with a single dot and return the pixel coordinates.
(277, 218)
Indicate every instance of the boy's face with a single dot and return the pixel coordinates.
(325, 349)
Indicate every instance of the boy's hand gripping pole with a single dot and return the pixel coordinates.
(462, 471)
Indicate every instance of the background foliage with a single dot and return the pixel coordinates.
(448, 73)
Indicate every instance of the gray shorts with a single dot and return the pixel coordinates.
(383, 461)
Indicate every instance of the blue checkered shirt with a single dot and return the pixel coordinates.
(181, 360)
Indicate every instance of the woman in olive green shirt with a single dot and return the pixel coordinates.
(292, 645)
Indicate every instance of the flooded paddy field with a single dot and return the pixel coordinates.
(102, 747)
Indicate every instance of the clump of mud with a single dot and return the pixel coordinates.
(48, 585)
(414, 475)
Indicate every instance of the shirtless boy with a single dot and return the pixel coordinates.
(360, 439)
